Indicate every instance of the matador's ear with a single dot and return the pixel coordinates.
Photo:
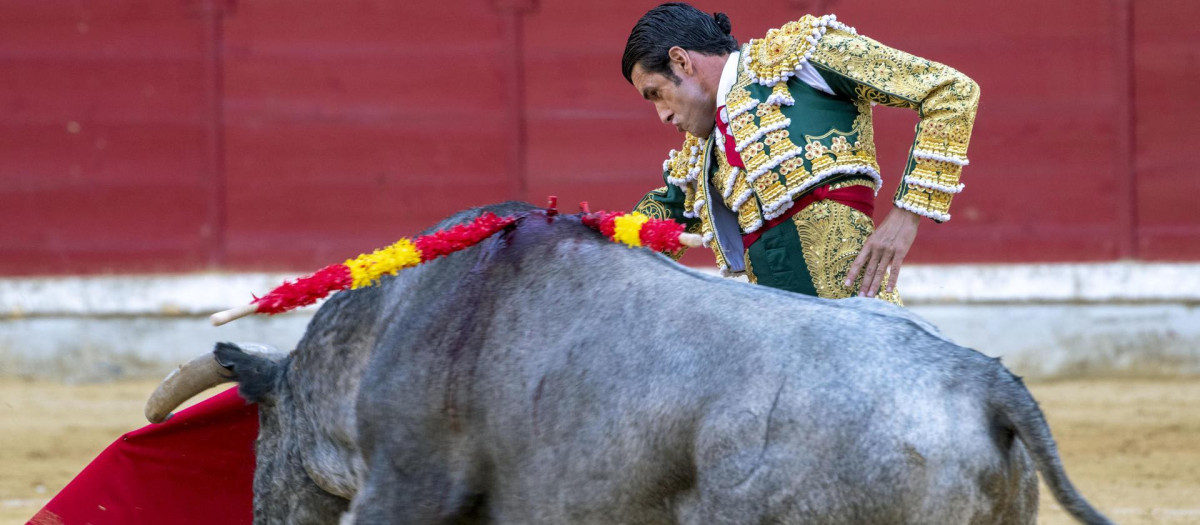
(682, 58)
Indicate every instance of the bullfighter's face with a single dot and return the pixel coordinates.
(684, 102)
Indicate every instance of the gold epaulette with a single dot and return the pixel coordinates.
(683, 166)
(683, 169)
(784, 51)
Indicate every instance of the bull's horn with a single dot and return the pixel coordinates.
(183, 383)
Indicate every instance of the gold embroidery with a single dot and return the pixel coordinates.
(721, 178)
(763, 158)
(851, 182)
(749, 269)
(781, 147)
(683, 168)
(777, 56)
(778, 175)
(946, 99)
(944, 138)
(738, 101)
(707, 231)
(831, 236)
(749, 218)
(770, 117)
(684, 165)
(839, 146)
(935, 204)
(771, 191)
(814, 149)
(793, 164)
(743, 125)
(782, 50)
(773, 157)
(780, 95)
(839, 156)
(873, 95)
(653, 208)
(775, 137)
(865, 127)
(884, 295)
(935, 174)
(754, 150)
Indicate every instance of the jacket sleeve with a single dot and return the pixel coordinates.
(669, 202)
(946, 101)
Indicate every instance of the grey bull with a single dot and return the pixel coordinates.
(549, 376)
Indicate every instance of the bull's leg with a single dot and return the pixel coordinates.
(758, 494)
(414, 491)
(760, 459)
(283, 491)
(1012, 490)
(785, 491)
(284, 494)
(737, 452)
(309, 505)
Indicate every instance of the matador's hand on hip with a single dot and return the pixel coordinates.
(885, 249)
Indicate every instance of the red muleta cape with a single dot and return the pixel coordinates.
(198, 467)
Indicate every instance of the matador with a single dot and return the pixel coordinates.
(777, 169)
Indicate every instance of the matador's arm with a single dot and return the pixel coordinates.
(861, 68)
(670, 201)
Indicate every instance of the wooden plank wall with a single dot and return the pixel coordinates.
(165, 136)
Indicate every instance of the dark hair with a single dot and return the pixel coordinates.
(670, 25)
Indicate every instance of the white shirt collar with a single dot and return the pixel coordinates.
(728, 76)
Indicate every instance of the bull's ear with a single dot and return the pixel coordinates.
(257, 369)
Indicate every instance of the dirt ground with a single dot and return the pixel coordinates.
(1132, 446)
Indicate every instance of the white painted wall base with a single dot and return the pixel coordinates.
(1044, 320)
(1054, 340)
(88, 349)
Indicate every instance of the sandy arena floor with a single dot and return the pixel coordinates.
(1131, 446)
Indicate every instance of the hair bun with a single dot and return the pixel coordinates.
(723, 22)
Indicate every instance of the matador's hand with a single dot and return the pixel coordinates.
(884, 249)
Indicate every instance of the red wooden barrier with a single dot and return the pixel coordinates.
(177, 136)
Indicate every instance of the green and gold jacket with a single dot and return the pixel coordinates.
(793, 137)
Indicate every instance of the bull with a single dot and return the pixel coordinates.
(549, 376)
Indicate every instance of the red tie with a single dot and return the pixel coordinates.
(731, 154)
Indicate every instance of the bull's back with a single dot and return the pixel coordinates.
(570, 378)
(744, 398)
